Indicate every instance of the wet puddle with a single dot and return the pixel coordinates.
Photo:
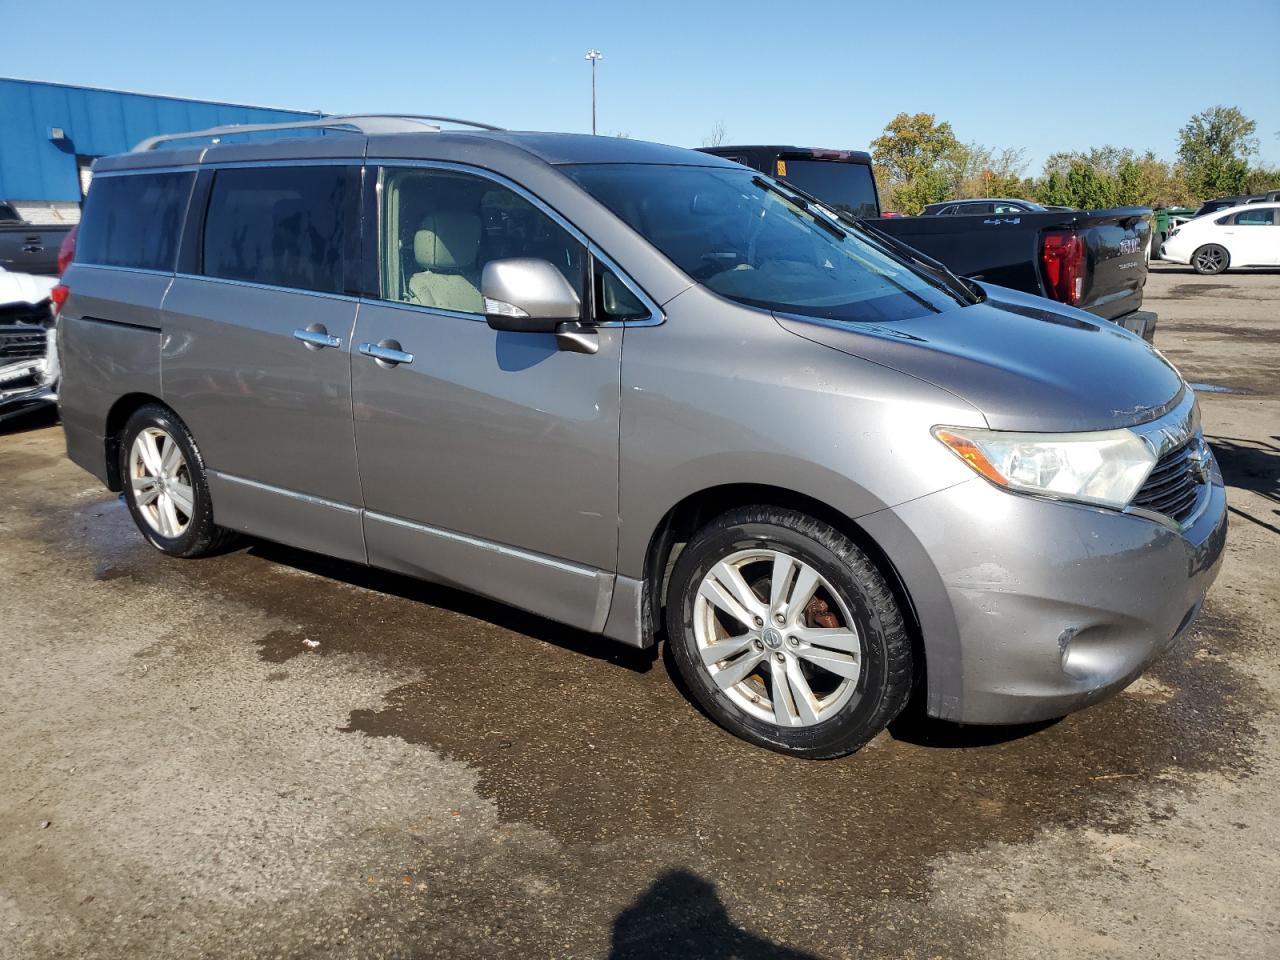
(594, 743)
(1218, 388)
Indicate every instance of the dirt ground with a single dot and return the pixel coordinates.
(181, 775)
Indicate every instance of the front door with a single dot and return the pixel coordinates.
(256, 353)
(488, 460)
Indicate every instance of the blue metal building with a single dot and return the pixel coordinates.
(50, 133)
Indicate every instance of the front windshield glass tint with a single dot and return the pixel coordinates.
(728, 230)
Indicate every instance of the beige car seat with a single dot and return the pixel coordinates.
(445, 248)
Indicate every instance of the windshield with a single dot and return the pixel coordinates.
(733, 232)
(846, 187)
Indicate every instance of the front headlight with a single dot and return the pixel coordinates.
(1106, 468)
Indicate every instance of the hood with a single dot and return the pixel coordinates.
(1027, 363)
(24, 288)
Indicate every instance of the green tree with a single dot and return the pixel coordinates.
(1262, 179)
(1214, 149)
(1089, 188)
(1109, 176)
(1051, 190)
(979, 171)
(1131, 188)
(917, 157)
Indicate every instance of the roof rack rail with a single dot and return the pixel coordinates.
(365, 123)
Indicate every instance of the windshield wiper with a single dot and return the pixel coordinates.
(804, 203)
(936, 268)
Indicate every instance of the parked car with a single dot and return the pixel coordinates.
(28, 247)
(28, 357)
(1094, 260)
(1240, 236)
(983, 206)
(618, 384)
(1225, 203)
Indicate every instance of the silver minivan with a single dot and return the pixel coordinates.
(640, 390)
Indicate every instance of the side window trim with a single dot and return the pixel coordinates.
(372, 210)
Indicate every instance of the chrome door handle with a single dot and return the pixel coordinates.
(387, 353)
(316, 339)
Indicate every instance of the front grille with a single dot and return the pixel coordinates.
(1171, 488)
(23, 343)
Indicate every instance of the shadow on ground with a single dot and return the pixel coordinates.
(681, 915)
(1252, 465)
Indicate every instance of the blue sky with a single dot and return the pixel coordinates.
(1039, 76)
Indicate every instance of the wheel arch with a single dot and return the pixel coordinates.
(697, 509)
(119, 414)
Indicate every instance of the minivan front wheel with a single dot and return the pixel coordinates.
(164, 484)
(787, 634)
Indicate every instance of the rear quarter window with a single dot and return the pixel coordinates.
(134, 220)
(280, 226)
(847, 187)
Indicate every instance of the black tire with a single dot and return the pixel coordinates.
(1210, 259)
(201, 535)
(885, 680)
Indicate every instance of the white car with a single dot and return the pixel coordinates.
(29, 370)
(1244, 236)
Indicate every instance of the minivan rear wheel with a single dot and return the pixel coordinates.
(787, 634)
(165, 485)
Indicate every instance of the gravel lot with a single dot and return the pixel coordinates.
(180, 775)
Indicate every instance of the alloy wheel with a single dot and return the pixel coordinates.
(1210, 260)
(161, 482)
(777, 638)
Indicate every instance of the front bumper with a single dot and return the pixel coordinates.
(15, 403)
(1033, 608)
(31, 380)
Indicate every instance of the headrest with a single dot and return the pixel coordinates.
(448, 240)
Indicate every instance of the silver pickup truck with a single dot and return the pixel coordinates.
(29, 247)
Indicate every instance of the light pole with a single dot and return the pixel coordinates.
(593, 55)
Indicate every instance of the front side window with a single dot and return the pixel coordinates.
(281, 226)
(134, 220)
(614, 299)
(439, 228)
(730, 231)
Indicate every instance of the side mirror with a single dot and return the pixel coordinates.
(527, 295)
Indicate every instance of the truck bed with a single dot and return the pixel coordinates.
(1007, 250)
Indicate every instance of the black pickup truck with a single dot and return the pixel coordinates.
(28, 247)
(1092, 259)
